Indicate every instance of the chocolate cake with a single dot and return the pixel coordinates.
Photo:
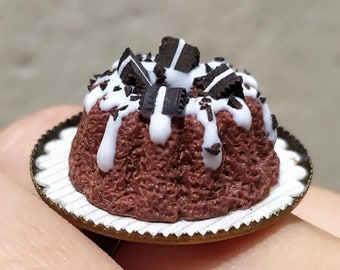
(165, 138)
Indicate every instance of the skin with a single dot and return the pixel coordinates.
(34, 236)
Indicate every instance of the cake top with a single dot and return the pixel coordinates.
(174, 84)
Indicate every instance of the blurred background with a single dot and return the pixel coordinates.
(50, 49)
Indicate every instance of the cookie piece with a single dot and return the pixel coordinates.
(132, 72)
(174, 101)
(176, 54)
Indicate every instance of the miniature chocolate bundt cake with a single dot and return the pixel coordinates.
(165, 138)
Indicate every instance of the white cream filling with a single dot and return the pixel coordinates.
(178, 52)
(218, 78)
(126, 61)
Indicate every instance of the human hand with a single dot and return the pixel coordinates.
(34, 236)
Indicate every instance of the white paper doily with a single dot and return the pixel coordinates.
(50, 175)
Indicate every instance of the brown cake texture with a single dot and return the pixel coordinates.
(170, 181)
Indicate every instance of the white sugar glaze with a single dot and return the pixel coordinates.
(160, 124)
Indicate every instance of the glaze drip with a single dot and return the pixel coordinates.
(223, 92)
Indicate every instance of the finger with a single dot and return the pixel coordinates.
(17, 141)
(289, 244)
(35, 237)
(320, 207)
